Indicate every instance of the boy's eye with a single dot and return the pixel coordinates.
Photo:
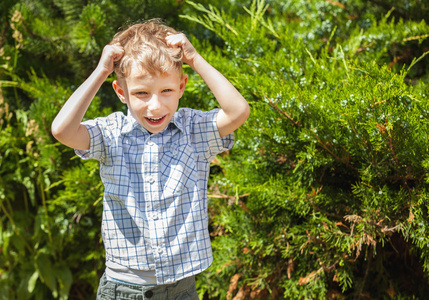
(167, 90)
(141, 93)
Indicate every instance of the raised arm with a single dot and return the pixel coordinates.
(234, 108)
(67, 127)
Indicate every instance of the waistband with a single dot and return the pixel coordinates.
(132, 291)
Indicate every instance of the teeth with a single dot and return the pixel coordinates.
(155, 119)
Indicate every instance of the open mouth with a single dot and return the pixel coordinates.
(155, 120)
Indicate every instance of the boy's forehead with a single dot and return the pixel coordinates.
(138, 71)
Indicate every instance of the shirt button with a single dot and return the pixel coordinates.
(150, 143)
(151, 180)
(155, 216)
(160, 250)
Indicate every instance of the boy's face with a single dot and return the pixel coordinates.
(152, 100)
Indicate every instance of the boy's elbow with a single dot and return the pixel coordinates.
(58, 132)
(76, 139)
(54, 130)
(245, 112)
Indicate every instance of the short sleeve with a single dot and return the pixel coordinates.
(206, 138)
(219, 144)
(97, 147)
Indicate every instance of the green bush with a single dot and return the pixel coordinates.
(50, 202)
(324, 193)
(322, 196)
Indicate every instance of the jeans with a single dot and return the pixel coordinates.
(184, 289)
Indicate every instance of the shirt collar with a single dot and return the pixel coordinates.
(131, 123)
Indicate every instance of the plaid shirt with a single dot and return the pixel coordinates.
(155, 191)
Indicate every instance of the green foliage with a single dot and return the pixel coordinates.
(321, 194)
(324, 194)
(50, 202)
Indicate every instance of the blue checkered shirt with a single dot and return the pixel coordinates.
(155, 191)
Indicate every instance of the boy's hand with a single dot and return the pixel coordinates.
(180, 40)
(110, 55)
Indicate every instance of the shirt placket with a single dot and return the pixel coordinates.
(154, 209)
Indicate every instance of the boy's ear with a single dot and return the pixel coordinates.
(183, 83)
(119, 91)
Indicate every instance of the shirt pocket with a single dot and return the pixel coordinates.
(180, 175)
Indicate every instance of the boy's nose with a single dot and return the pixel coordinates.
(154, 103)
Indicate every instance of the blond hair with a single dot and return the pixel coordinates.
(145, 46)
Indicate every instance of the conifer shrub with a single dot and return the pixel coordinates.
(50, 202)
(324, 193)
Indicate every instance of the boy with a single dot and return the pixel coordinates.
(154, 162)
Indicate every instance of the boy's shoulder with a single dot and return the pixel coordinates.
(196, 124)
(115, 117)
(188, 116)
(113, 122)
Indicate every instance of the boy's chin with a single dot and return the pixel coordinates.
(155, 129)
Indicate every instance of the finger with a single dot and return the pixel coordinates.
(118, 56)
(118, 53)
(176, 39)
(118, 47)
(171, 41)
